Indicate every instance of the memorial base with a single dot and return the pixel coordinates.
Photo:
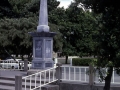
(42, 64)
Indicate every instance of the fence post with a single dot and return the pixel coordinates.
(18, 82)
(91, 75)
(71, 61)
(59, 72)
(26, 65)
(56, 60)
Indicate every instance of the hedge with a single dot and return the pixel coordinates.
(82, 61)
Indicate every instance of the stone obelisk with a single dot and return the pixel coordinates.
(42, 40)
(43, 17)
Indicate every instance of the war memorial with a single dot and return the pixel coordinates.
(42, 40)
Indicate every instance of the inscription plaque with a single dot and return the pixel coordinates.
(38, 48)
(48, 48)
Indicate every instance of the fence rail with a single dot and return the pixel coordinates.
(75, 73)
(42, 78)
(81, 74)
(14, 65)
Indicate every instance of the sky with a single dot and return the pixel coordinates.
(64, 3)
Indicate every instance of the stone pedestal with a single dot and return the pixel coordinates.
(42, 50)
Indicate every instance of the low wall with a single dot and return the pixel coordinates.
(84, 86)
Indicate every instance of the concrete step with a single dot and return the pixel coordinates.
(7, 78)
(9, 84)
(12, 83)
(50, 87)
(47, 87)
(2, 87)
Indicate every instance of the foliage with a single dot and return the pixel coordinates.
(13, 8)
(5, 8)
(83, 61)
(14, 34)
(107, 40)
(57, 44)
(78, 28)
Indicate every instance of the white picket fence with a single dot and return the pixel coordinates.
(75, 73)
(13, 65)
(81, 74)
(40, 79)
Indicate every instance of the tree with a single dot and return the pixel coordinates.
(77, 30)
(57, 40)
(14, 34)
(13, 8)
(108, 47)
(5, 8)
(24, 8)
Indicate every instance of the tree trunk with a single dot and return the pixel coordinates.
(22, 57)
(108, 79)
(29, 57)
(16, 55)
(66, 59)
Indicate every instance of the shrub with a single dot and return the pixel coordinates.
(82, 61)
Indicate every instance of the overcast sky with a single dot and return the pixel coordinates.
(64, 3)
